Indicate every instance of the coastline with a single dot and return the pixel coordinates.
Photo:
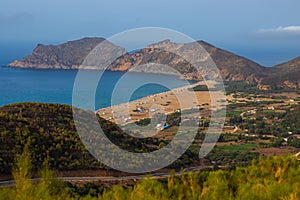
(92, 68)
(165, 102)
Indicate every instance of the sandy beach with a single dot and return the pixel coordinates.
(166, 102)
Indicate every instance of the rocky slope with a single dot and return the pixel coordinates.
(285, 75)
(71, 55)
(232, 67)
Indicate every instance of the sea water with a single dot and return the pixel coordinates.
(56, 86)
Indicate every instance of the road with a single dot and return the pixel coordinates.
(111, 179)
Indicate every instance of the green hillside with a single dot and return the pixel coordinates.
(50, 130)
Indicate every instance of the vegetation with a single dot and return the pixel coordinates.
(52, 135)
(292, 120)
(264, 120)
(294, 142)
(270, 178)
(233, 155)
(241, 86)
(48, 132)
(47, 188)
(199, 88)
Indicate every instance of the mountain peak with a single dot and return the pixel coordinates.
(71, 54)
(204, 43)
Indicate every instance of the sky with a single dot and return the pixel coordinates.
(267, 31)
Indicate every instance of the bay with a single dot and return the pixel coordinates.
(56, 86)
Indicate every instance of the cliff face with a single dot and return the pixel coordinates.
(71, 55)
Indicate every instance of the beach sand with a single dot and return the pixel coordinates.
(166, 102)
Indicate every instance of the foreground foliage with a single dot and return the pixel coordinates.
(270, 178)
(273, 178)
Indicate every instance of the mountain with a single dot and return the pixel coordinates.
(285, 75)
(72, 55)
(231, 66)
(69, 55)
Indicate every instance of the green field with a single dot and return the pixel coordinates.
(233, 113)
(239, 148)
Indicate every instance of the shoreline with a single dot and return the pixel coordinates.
(179, 76)
(165, 102)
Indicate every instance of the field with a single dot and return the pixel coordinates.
(239, 148)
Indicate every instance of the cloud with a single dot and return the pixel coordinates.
(281, 31)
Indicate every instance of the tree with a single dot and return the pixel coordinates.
(294, 142)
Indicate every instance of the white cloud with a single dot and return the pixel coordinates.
(281, 31)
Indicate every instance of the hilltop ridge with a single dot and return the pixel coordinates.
(70, 55)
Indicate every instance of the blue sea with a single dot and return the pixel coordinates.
(56, 86)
